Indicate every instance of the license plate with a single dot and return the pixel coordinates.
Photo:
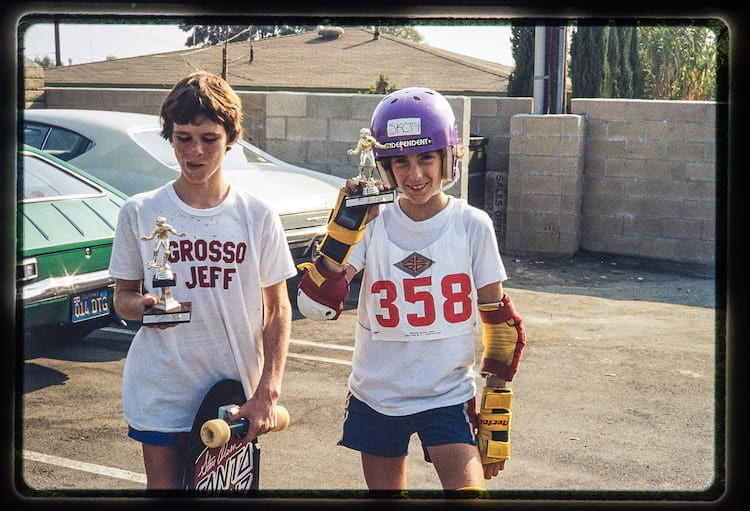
(89, 305)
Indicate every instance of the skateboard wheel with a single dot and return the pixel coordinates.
(215, 433)
(282, 418)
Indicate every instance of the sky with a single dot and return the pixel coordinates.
(83, 43)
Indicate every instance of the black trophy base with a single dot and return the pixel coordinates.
(370, 200)
(166, 279)
(154, 316)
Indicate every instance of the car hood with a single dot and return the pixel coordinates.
(62, 225)
(288, 193)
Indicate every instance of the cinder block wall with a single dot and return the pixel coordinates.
(490, 118)
(650, 178)
(316, 130)
(33, 78)
(545, 184)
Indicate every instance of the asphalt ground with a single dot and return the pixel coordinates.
(618, 397)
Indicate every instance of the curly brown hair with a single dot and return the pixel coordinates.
(198, 96)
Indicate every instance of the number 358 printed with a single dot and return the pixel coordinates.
(455, 301)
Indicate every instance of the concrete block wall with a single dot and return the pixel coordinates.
(648, 185)
(33, 78)
(490, 118)
(316, 130)
(650, 178)
(545, 184)
(145, 101)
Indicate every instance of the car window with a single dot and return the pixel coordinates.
(35, 134)
(43, 180)
(59, 142)
(159, 148)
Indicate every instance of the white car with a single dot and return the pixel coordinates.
(126, 151)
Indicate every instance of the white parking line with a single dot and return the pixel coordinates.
(320, 359)
(85, 467)
(141, 478)
(322, 345)
(300, 342)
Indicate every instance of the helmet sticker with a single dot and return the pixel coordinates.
(407, 126)
(411, 142)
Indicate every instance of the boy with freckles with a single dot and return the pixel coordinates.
(241, 315)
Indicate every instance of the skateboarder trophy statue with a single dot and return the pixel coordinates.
(370, 193)
(167, 310)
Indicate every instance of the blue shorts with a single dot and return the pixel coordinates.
(373, 433)
(157, 437)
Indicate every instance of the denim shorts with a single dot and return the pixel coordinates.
(157, 437)
(373, 433)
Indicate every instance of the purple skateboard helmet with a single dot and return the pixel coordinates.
(416, 120)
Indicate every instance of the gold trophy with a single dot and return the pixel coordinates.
(167, 310)
(370, 194)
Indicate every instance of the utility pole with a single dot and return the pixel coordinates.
(540, 78)
(550, 49)
(58, 59)
(556, 68)
(224, 54)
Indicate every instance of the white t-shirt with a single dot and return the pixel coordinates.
(230, 252)
(414, 343)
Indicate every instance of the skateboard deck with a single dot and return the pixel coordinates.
(232, 466)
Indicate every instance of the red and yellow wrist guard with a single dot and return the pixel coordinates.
(346, 227)
(503, 337)
(493, 436)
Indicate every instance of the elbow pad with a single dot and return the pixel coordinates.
(503, 337)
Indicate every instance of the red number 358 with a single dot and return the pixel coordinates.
(456, 304)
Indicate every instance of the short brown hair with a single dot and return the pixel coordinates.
(202, 95)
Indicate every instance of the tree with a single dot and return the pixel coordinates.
(402, 31)
(625, 76)
(521, 80)
(679, 62)
(208, 35)
(45, 62)
(587, 61)
(381, 86)
(611, 69)
(635, 64)
(645, 61)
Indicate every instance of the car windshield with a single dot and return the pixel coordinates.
(159, 148)
(42, 181)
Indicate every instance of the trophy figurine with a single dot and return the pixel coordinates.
(370, 193)
(167, 310)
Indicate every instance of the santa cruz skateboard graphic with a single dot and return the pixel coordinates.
(218, 457)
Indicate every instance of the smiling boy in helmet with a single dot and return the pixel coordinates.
(431, 270)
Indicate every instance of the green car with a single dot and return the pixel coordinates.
(66, 224)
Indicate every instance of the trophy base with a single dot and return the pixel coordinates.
(370, 199)
(164, 279)
(155, 316)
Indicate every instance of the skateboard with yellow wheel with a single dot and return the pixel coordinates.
(218, 432)
(218, 458)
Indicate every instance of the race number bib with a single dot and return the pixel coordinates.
(423, 295)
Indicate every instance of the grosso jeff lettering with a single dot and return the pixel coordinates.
(202, 251)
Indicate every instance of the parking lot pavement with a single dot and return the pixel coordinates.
(619, 374)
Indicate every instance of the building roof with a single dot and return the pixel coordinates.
(301, 62)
